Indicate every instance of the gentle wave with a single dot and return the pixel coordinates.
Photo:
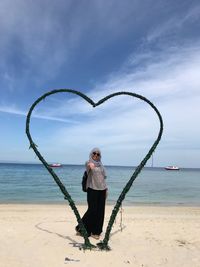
(31, 183)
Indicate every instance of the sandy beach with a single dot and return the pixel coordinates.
(44, 236)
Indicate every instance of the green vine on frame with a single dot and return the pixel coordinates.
(104, 244)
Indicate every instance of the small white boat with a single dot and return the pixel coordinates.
(172, 168)
(54, 165)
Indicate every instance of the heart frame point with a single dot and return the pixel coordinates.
(103, 245)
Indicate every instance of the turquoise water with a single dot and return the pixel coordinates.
(31, 183)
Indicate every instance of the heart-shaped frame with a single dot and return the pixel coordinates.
(104, 244)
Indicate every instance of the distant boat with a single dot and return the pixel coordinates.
(54, 165)
(172, 168)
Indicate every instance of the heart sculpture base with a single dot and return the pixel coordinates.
(103, 245)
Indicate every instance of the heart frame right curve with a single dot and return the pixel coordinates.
(103, 245)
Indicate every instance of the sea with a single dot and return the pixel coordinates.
(32, 184)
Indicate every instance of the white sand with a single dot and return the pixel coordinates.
(43, 236)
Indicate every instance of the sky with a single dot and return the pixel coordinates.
(100, 47)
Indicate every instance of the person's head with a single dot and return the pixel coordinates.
(95, 154)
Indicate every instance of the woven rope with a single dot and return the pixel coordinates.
(104, 244)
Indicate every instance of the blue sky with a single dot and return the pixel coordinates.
(100, 47)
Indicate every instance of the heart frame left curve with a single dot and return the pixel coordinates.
(103, 245)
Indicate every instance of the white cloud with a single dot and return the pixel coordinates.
(41, 40)
(175, 23)
(12, 110)
(34, 29)
(45, 35)
(124, 127)
(15, 111)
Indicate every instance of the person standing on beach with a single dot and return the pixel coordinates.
(96, 186)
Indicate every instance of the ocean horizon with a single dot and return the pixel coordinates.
(31, 183)
(77, 164)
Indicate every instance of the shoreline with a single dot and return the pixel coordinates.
(134, 209)
(138, 204)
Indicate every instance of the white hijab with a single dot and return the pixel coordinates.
(97, 163)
